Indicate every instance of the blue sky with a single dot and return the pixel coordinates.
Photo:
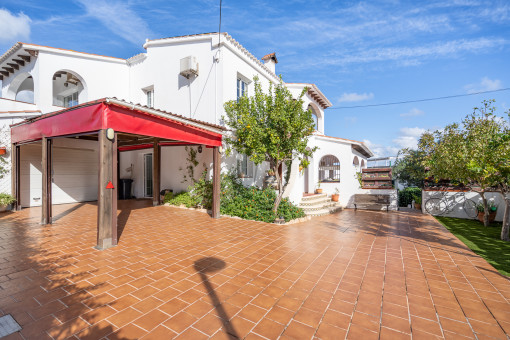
(358, 53)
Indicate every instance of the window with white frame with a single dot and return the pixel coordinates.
(242, 88)
(71, 100)
(329, 169)
(245, 167)
(150, 98)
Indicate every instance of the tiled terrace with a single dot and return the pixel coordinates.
(178, 273)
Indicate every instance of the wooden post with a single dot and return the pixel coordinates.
(15, 176)
(46, 216)
(156, 173)
(107, 196)
(216, 182)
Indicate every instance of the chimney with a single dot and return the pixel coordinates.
(270, 61)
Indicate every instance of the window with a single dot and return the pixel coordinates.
(315, 117)
(71, 100)
(329, 169)
(242, 88)
(245, 167)
(150, 98)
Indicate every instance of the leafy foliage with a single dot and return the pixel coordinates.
(409, 167)
(407, 195)
(475, 153)
(271, 127)
(6, 199)
(249, 203)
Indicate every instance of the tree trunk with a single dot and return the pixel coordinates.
(486, 210)
(506, 219)
(280, 191)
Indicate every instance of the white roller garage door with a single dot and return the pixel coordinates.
(75, 172)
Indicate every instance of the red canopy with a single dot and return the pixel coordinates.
(120, 116)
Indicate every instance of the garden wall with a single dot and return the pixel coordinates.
(457, 209)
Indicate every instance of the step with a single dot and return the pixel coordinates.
(313, 197)
(318, 206)
(315, 202)
(323, 212)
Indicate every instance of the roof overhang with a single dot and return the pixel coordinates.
(314, 92)
(355, 145)
(120, 116)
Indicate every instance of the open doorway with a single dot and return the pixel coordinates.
(147, 175)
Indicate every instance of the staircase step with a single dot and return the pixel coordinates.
(313, 197)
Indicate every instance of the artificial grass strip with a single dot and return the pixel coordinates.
(485, 241)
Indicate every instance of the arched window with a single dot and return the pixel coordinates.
(355, 163)
(68, 89)
(329, 169)
(315, 117)
(363, 166)
(22, 88)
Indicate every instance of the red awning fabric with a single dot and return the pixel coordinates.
(102, 114)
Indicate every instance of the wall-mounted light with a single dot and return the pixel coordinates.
(110, 134)
(200, 149)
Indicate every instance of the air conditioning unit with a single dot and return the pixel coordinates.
(189, 67)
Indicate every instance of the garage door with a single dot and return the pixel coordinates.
(74, 173)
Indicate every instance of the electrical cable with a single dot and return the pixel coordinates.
(418, 100)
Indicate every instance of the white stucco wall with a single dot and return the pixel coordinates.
(457, 209)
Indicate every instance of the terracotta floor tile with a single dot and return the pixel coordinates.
(151, 320)
(396, 323)
(327, 331)
(269, 329)
(357, 332)
(97, 331)
(297, 330)
(124, 317)
(129, 331)
(252, 313)
(180, 322)
(366, 321)
(308, 317)
(391, 334)
(160, 332)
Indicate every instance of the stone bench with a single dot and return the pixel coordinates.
(371, 200)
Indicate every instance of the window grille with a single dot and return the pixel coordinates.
(329, 169)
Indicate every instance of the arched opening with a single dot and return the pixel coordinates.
(363, 165)
(314, 116)
(355, 163)
(329, 169)
(69, 89)
(22, 88)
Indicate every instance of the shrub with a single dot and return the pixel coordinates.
(406, 196)
(249, 203)
(183, 198)
(6, 199)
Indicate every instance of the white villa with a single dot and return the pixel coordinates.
(188, 76)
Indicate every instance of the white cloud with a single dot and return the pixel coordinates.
(351, 119)
(412, 113)
(119, 18)
(381, 150)
(13, 27)
(355, 97)
(431, 51)
(485, 84)
(408, 137)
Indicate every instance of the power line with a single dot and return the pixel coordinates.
(418, 100)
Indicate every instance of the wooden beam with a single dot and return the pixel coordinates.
(216, 182)
(1, 77)
(19, 62)
(9, 69)
(46, 216)
(15, 176)
(14, 66)
(156, 172)
(26, 58)
(106, 207)
(33, 53)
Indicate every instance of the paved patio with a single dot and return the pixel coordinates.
(178, 273)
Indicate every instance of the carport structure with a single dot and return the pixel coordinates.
(117, 126)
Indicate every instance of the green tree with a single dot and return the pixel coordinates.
(472, 153)
(271, 127)
(409, 167)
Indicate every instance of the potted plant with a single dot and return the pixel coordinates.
(318, 190)
(493, 210)
(336, 195)
(270, 180)
(417, 201)
(5, 201)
